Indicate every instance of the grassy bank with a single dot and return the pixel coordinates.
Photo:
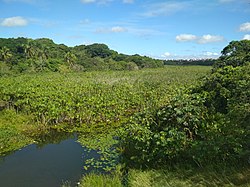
(181, 177)
(178, 176)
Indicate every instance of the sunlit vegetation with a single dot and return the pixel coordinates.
(171, 126)
(101, 181)
(12, 131)
(79, 101)
(189, 177)
(24, 55)
(205, 125)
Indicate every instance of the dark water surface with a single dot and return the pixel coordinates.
(44, 166)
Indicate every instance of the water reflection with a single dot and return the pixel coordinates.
(53, 160)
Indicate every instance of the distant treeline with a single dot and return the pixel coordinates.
(28, 55)
(201, 62)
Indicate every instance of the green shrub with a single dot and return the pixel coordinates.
(206, 123)
(236, 53)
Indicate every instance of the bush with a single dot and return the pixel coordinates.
(176, 132)
(205, 124)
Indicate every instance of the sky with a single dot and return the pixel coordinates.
(170, 29)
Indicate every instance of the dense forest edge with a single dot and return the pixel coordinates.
(41, 55)
(20, 55)
(165, 126)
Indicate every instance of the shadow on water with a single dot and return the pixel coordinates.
(57, 158)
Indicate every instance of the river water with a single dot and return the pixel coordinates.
(49, 165)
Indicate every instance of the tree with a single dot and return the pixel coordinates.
(43, 53)
(70, 58)
(237, 53)
(100, 50)
(5, 54)
(29, 50)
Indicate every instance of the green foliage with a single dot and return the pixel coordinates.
(100, 50)
(164, 118)
(208, 122)
(12, 127)
(70, 59)
(227, 98)
(144, 62)
(21, 67)
(94, 104)
(4, 69)
(224, 86)
(39, 55)
(92, 97)
(101, 181)
(237, 53)
(5, 54)
(167, 134)
(215, 176)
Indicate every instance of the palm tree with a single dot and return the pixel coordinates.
(5, 54)
(44, 53)
(29, 51)
(70, 58)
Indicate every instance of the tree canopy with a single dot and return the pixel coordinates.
(29, 55)
(237, 53)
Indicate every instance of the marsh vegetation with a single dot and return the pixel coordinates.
(168, 126)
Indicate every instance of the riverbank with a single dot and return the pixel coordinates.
(213, 175)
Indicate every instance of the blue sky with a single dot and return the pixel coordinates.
(160, 29)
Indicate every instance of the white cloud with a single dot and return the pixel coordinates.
(166, 54)
(118, 29)
(194, 56)
(102, 30)
(209, 39)
(144, 33)
(128, 1)
(101, 2)
(245, 27)
(210, 54)
(185, 37)
(165, 8)
(200, 40)
(85, 21)
(14, 22)
(88, 1)
(246, 37)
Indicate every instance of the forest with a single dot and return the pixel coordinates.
(162, 126)
(43, 55)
